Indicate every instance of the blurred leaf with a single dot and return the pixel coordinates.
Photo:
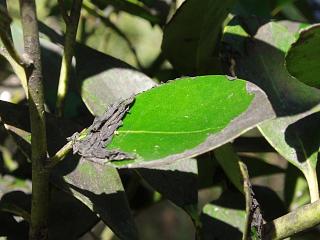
(192, 35)
(302, 59)
(262, 62)
(187, 117)
(133, 7)
(99, 187)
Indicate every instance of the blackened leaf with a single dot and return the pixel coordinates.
(191, 37)
(302, 59)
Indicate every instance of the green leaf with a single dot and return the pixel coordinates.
(188, 117)
(263, 64)
(302, 59)
(190, 38)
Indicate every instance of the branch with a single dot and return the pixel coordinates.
(40, 176)
(294, 222)
(66, 65)
(62, 153)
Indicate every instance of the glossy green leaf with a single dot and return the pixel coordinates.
(188, 117)
(302, 59)
(291, 134)
(191, 37)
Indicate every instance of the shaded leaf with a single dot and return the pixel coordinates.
(262, 62)
(229, 161)
(302, 59)
(99, 187)
(224, 218)
(191, 37)
(258, 167)
(177, 182)
(106, 80)
(188, 117)
(77, 219)
(296, 192)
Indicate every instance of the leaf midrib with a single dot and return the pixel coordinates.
(169, 132)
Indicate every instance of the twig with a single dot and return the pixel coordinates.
(66, 65)
(62, 153)
(40, 176)
(294, 222)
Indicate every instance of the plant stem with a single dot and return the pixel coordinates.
(294, 222)
(66, 65)
(312, 180)
(40, 176)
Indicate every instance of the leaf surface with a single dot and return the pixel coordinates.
(191, 36)
(188, 117)
(302, 59)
